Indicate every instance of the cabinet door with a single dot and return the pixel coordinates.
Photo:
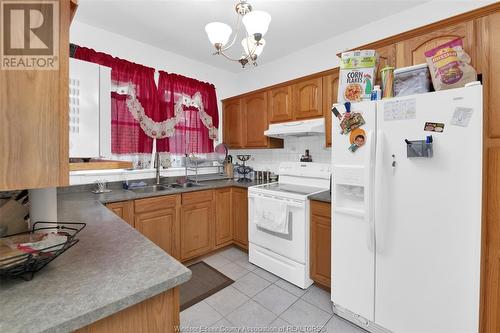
(387, 57)
(159, 227)
(255, 113)
(307, 99)
(320, 248)
(196, 229)
(411, 51)
(233, 124)
(124, 209)
(34, 131)
(330, 91)
(240, 217)
(280, 104)
(223, 222)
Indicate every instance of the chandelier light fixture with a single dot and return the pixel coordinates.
(256, 23)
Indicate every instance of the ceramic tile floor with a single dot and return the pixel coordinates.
(258, 298)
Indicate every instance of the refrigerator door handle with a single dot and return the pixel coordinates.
(377, 209)
(369, 165)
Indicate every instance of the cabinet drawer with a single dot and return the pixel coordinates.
(155, 203)
(321, 208)
(198, 196)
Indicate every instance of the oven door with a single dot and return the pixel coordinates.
(292, 245)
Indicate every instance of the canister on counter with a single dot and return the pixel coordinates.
(387, 75)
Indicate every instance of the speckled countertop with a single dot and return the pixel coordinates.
(325, 196)
(111, 268)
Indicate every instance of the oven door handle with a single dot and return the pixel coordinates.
(289, 202)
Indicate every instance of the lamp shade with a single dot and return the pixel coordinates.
(257, 22)
(249, 45)
(218, 33)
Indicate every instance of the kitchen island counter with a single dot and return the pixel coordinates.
(111, 268)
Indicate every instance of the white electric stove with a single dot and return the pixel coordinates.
(286, 254)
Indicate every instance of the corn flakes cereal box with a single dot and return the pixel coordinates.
(357, 75)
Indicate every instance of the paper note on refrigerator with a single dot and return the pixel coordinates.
(400, 109)
(461, 116)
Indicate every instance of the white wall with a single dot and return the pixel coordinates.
(322, 56)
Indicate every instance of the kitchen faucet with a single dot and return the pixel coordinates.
(157, 166)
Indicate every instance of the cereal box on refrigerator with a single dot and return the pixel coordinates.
(357, 75)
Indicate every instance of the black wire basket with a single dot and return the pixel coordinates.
(25, 265)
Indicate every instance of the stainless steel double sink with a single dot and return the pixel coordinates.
(161, 188)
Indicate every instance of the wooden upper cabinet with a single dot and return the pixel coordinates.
(245, 120)
(34, 126)
(280, 104)
(307, 98)
(255, 114)
(411, 51)
(233, 124)
(387, 57)
(330, 91)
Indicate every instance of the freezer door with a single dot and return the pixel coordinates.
(428, 213)
(353, 256)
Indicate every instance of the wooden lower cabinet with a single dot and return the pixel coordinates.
(157, 219)
(191, 224)
(223, 217)
(240, 217)
(321, 244)
(197, 224)
(159, 227)
(124, 209)
(156, 314)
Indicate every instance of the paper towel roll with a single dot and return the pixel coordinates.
(43, 205)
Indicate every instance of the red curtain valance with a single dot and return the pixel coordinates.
(127, 137)
(191, 135)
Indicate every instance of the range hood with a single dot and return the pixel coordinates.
(297, 128)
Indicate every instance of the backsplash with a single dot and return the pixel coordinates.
(294, 147)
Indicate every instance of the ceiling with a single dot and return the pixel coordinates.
(178, 26)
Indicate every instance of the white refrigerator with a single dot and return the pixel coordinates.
(406, 214)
